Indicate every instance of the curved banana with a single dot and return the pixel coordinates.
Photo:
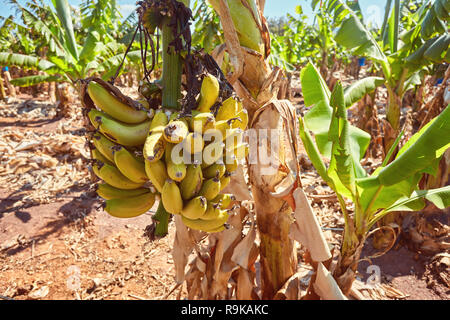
(234, 138)
(156, 173)
(112, 176)
(240, 151)
(154, 143)
(207, 225)
(225, 127)
(210, 188)
(228, 109)
(200, 122)
(130, 207)
(104, 145)
(192, 183)
(214, 170)
(224, 200)
(122, 133)
(243, 115)
(171, 197)
(225, 180)
(129, 165)
(231, 163)
(176, 131)
(195, 208)
(97, 155)
(193, 143)
(108, 192)
(176, 171)
(209, 92)
(212, 153)
(112, 106)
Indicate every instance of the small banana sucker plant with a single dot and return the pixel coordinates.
(391, 187)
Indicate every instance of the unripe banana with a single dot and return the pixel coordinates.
(129, 165)
(171, 197)
(130, 207)
(192, 183)
(210, 188)
(112, 106)
(176, 131)
(122, 133)
(193, 143)
(212, 211)
(207, 225)
(104, 145)
(176, 171)
(97, 155)
(194, 208)
(225, 180)
(157, 173)
(224, 199)
(243, 115)
(112, 176)
(214, 170)
(209, 92)
(144, 103)
(108, 192)
(227, 110)
(231, 163)
(201, 122)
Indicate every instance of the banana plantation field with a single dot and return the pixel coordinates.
(214, 150)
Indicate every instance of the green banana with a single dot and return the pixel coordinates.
(228, 109)
(214, 170)
(97, 155)
(210, 188)
(112, 176)
(207, 225)
(192, 183)
(122, 133)
(176, 171)
(225, 180)
(157, 173)
(171, 197)
(195, 208)
(104, 145)
(129, 165)
(130, 207)
(209, 92)
(108, 192)
(112, 106)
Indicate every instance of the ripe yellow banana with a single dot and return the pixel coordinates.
(200, 122)
(224, 200)
(210, 188)
(112, 176)
(104, 145)
(240, 151)
(228, 109)
(207, 225)
(212, 153)
(176, 131)
(157, 173)
(130, 166)
(243, 115)
(159, 119)
(97, 155)
(225, 127)
(154, 143)
(214, 170)
(231, 163)
(209, 92)
(194, 208)
(225, 180)
(130, 207)
(193, 143)
(108, 192)
(175, 170)
(171, 197)
(122, 133)
(212, 211)
(192, 183)
(234, 138)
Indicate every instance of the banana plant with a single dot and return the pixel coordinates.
(402, 55)
(391, 187)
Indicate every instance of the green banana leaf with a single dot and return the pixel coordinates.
(437, 51)
(357, 90)
(63, 10)
(25, 61)
(33, 80)
(314, 88)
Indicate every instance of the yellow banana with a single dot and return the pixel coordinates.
(207, 225)
(224, 200)
(195, 208)
(225, 127)
(154, 143)
(231, 163)
(130, 207)
(243, 115)
(228, 109)
(209, 92)
(159, 119)
(108, 192)
(176, 131)
(240, 151)
(200, 122)
(104, 145)
(122, 133)
(144, 103)
(192, 183)
(112, 106)
(212, 153)
(225, 180)
(234, 138)
(112, 176)
(97, 155)
(129, 165)
(193, 143)
(214, 170)
(176, 171)
(210, 188)
(171, 197)
(212, 211)
(157, 173)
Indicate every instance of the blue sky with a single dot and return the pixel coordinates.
(372, 9)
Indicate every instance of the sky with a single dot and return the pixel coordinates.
(373, 10)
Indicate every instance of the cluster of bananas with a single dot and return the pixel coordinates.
(187, 158)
